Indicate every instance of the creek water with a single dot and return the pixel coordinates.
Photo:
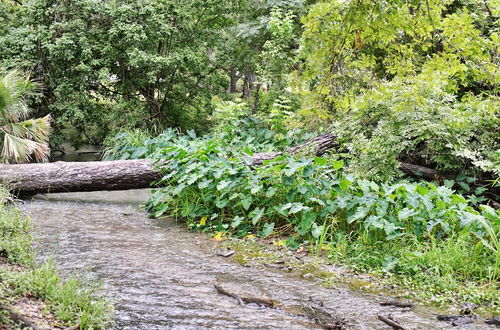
(159, 275)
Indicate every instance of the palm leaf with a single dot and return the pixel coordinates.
(37, 130)
(20, 150)
(15, 88)
(23, 138)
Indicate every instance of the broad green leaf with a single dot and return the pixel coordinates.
(246, 203)
(317, 200)
(221, 203)
(360, 213)
(320, 161)
(316, 230)
(267, 230)
(256, 214)
(337, 164)
(297, 207)
(406, 213)
(237, 221)
(222, 185)
(271, 191)
(255, 189)
(204, 184)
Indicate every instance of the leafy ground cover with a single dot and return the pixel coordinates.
(26, 286)
(420, 235)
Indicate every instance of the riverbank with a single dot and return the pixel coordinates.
(457, 298)
(35, 295)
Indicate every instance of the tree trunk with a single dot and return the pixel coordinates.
(233, 84)
(256, 101)
(31, 179)
(245, 93)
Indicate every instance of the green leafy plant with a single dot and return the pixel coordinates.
(211, 178)
(20, 137)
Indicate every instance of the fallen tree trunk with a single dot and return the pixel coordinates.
(31, 179)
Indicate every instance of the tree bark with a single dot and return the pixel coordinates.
(233, 84)
(245, 92)
(256, 101)
(31, 179)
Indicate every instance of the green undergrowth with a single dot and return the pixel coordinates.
(423, 235)
(440, 272)
(71, 300)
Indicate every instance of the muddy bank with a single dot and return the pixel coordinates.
(159, 275)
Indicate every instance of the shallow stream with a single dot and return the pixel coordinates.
(159, 275)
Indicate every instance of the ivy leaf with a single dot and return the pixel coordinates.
(406, 213)
(316, 230)
(337, 164)
(320, 161)
(255, 189)
(360, 213)
(221, 203)
(246, 203)
(389, 263)
(271, 191)
(204, 184)
(317, 200)
(177, 190)
(297, 207)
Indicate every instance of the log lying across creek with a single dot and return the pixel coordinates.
(31, 179)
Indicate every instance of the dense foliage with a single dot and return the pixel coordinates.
(142, 64)
(406, 81)
(208, 177)
(208, 182)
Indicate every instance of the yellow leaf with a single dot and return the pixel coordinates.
(218, 236)
(280, 243)
(249, 236)
(203, 221)
(325, 247)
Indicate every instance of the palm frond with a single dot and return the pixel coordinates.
(15, 88)
(20, 150)
(23, 138)
(37, 130)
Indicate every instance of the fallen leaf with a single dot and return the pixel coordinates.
(218, 236)
(203, 221)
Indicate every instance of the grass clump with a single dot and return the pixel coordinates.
(442, 272)
(71, 300)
